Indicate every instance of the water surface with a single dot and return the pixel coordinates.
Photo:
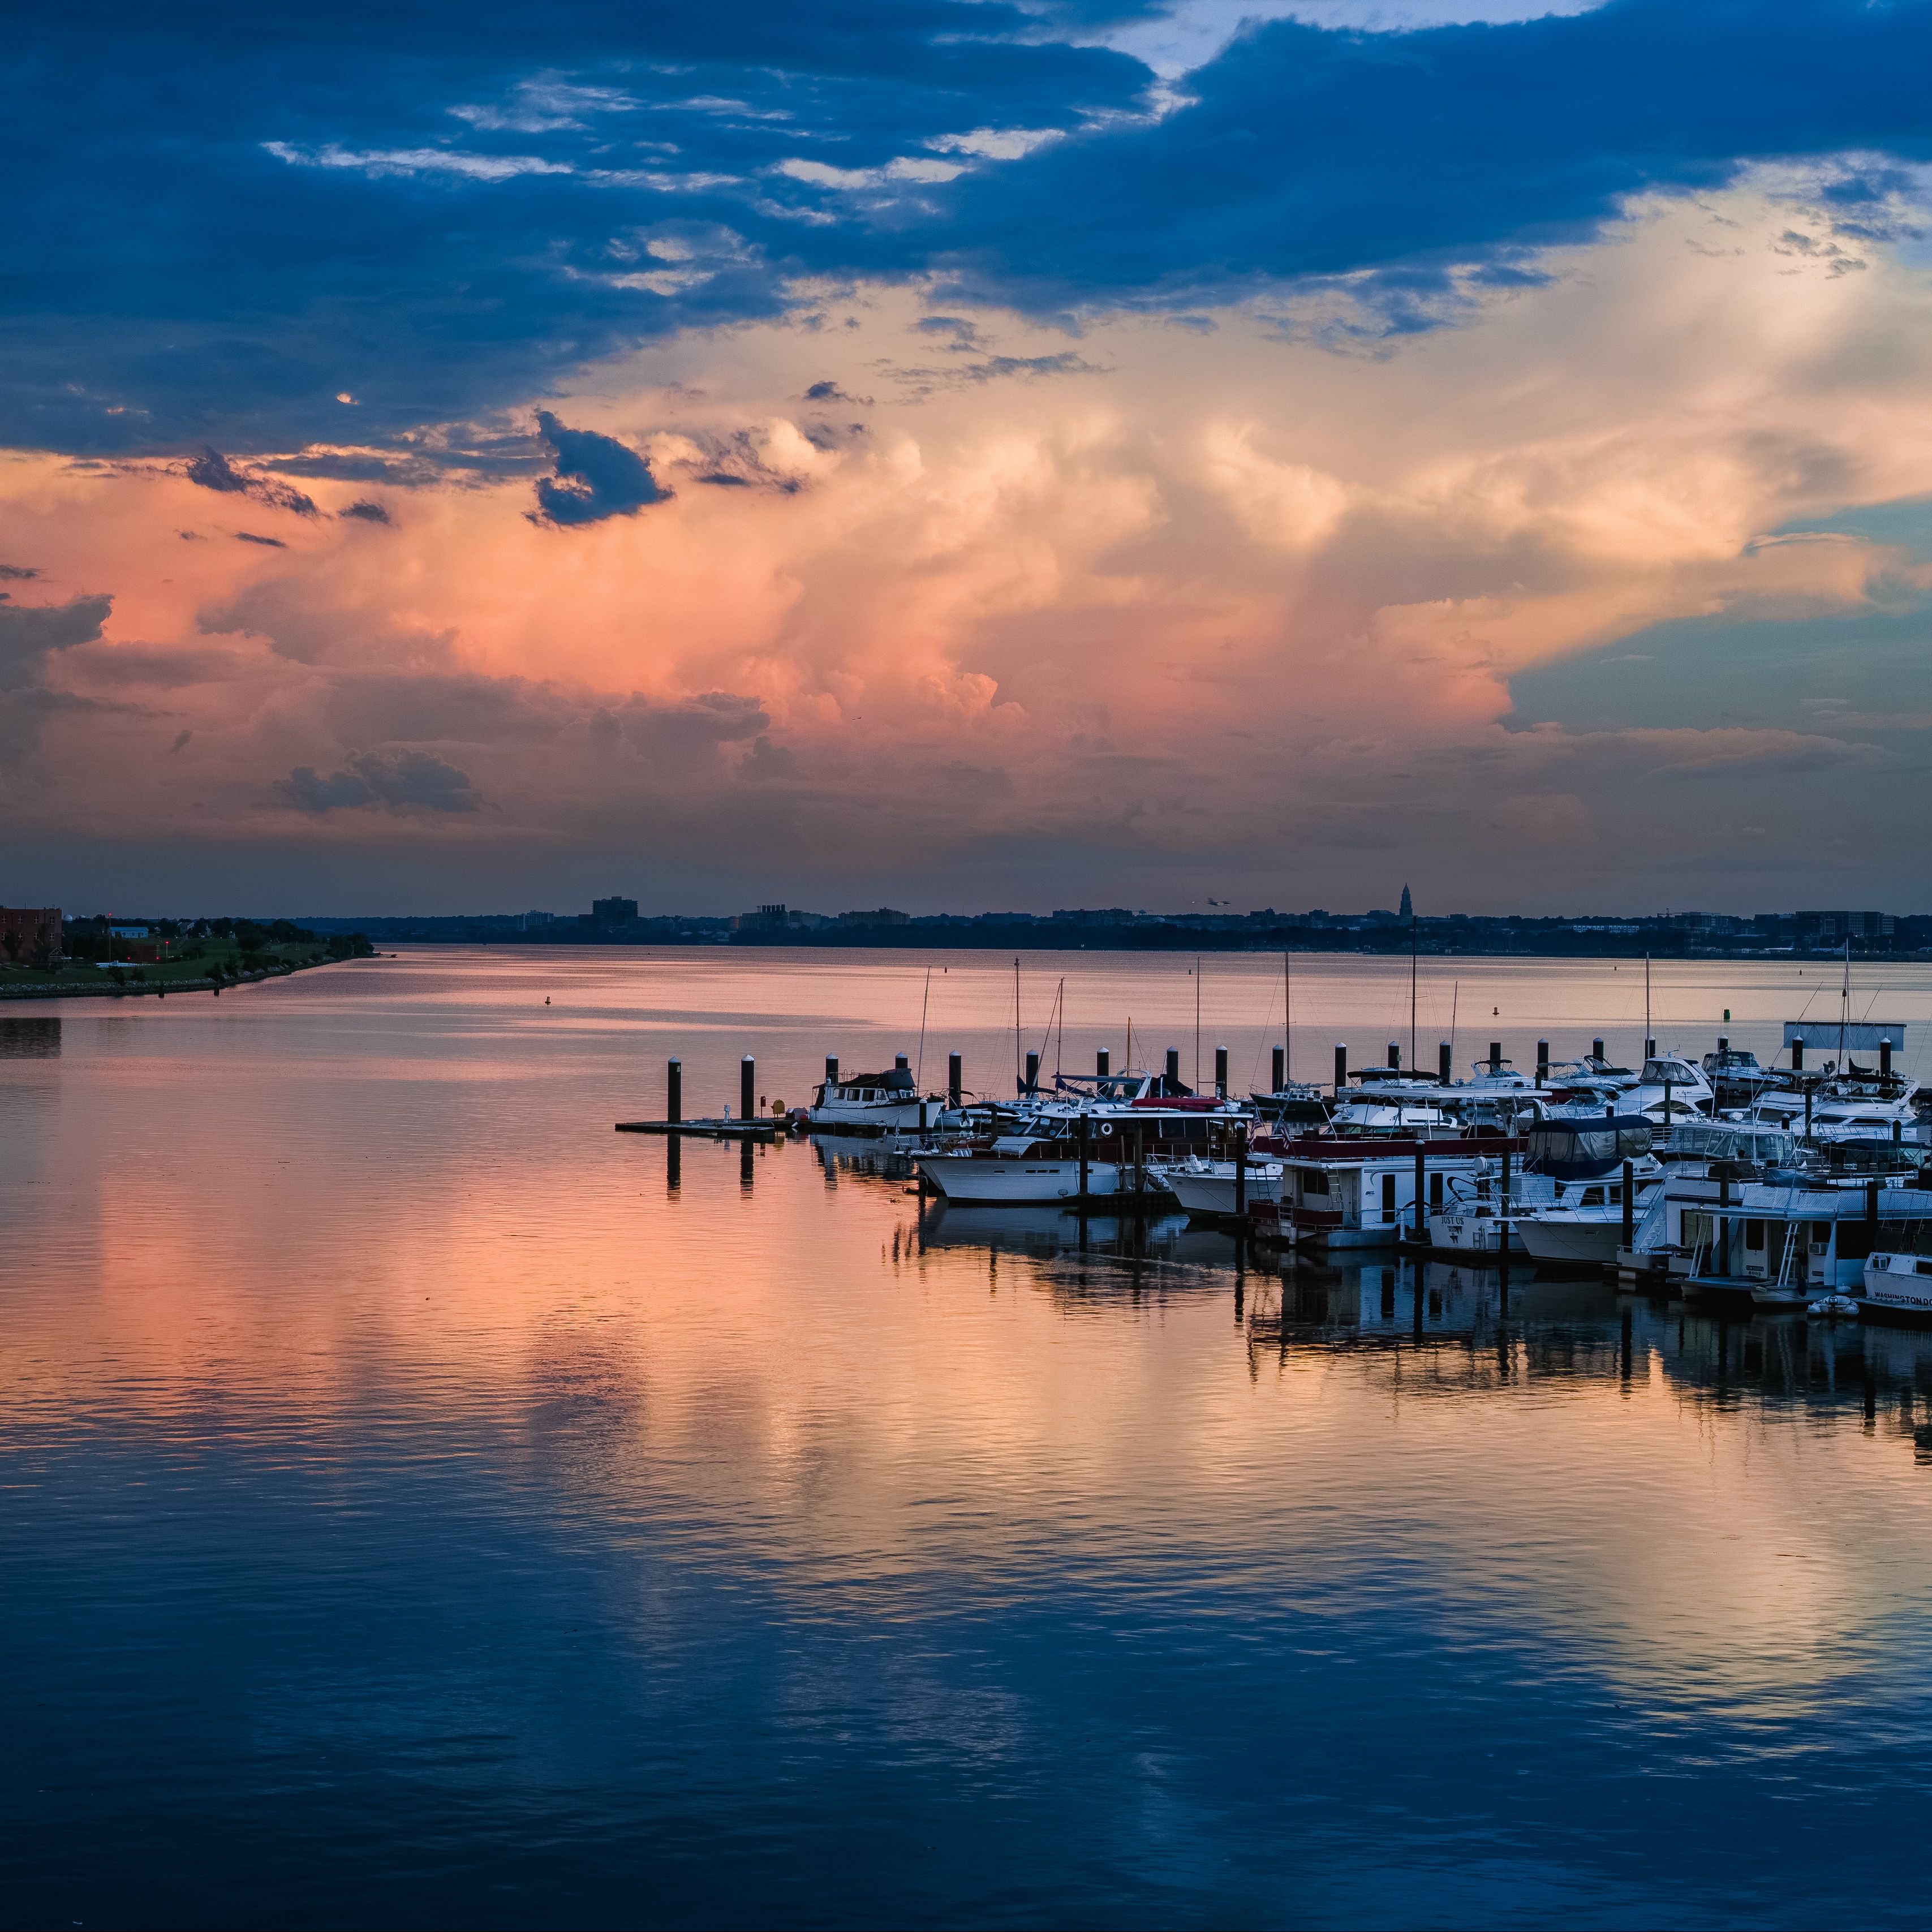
(425, 1506)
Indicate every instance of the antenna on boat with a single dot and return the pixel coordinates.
(1455, 1001)
(1197, 1023)
(1413, 942)
(1648, 1035)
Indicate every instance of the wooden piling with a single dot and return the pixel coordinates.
(748, 1088)
(674, 1091)
(1278, 1070)
(1341, 1067)
(1220, 1073)
(954, 1083)
(1103, 1062)
(1445, 1065)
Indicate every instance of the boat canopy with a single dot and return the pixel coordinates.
(1581, 1150)
(898, 1081)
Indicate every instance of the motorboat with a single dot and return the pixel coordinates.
(1896, 1285)
(873, 1103)
(1566, 1203)
(1671, 1087)
(1118, 1130)
(1208, 1188)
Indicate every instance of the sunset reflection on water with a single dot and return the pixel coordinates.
(418, 1504)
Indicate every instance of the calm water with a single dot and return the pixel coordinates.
(425, 1506)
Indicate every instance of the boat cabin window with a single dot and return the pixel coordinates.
(1656, 1072)
(1923, 1266)
(1316, 1183)
(1593, 1197)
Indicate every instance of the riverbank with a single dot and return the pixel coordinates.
(178, 975)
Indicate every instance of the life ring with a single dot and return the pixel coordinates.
(1106, 1128)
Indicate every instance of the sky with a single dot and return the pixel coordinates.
(965, 456)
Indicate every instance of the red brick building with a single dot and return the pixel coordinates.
(30, 935)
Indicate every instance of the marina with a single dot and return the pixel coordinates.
(1707, 1175)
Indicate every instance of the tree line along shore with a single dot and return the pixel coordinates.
(224, 952)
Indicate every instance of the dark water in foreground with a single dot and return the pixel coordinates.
(419, 1509)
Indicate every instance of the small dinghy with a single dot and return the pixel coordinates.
(1832, 1308)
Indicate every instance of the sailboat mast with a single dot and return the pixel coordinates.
(1287, 1021)
(1019, 1075)
(1844, 1002)
(1197, 1024)
(1413, 943)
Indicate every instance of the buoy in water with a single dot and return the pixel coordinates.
(546, 999)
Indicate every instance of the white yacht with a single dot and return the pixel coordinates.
(1565, 1204)
(873, 1103)
(1206, 1188)
(1672, 1087)
(1896, 1286)
(1119, 1128)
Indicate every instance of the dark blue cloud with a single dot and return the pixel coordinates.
(597, 476)
(401, 782)
(256, 229)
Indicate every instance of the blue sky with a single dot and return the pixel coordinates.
(1205, 360)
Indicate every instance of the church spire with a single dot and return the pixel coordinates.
(1407, 908)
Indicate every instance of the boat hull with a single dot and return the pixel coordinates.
(1577, 1242)
(1212, 1195)
(975, 1180)
(898, 1117)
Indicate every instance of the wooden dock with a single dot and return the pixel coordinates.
(716, 1130)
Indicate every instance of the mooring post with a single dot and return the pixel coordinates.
(954, 1083)
(748, 1088)
(1650, 1049)
(901, 1062)
(1445, 1069)
(1173, 1070)
(1033, 1073)
(1543, 1063)
(1241, 1174)
(831, 1069)
(1629, 1207)
(1394, 1057)
(1596, 1049)
(674, 1091)
(1797, 1054)
(1103, 1063)
(1495, 1056)
(1885, 1060)
(1220, 1073)
(1278, 1070)
(1341, 1067)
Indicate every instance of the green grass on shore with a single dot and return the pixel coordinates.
(212, 955)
